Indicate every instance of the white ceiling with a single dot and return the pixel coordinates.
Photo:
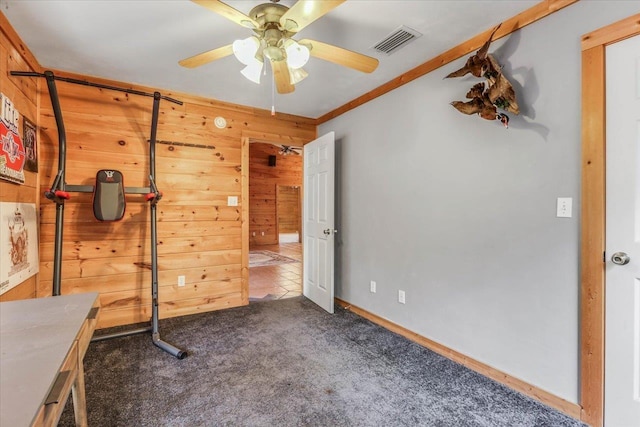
(141, 41)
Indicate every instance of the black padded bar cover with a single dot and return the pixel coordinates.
(108, 196)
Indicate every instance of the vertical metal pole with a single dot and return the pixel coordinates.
(154, 230)
(62, 159)
(57, 254)
(155, 328)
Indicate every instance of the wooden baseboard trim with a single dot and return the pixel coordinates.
(562, 405)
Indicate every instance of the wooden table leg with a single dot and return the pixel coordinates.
(79, 397)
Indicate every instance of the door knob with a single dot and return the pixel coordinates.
(620, 258)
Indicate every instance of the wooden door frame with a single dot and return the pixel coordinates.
(245, 139)
(593, 214)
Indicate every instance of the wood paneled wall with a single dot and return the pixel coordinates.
(23, 92)
(263, 182)
(289, 209)
(199, 236)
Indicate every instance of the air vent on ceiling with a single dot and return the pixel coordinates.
(397, 39)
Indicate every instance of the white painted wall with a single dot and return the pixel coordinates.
(460, 213)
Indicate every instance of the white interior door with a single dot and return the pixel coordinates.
(318, 215)
(622, 324)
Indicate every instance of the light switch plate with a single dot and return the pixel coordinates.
(401, 297)
(232, 201)
(564, 207)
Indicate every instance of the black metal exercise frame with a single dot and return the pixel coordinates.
(58, 193)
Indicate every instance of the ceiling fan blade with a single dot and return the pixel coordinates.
(281, 75)
(304, 12)
(228, 12)
(206, 57)
(341, 56)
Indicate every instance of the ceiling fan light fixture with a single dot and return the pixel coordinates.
(245, 50)
(296, 75)
(274, 53)
(253, 71)
(290, 25)
(297, 54)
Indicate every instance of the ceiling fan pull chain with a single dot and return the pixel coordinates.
(273, 91)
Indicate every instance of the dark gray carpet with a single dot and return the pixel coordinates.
(288, 363)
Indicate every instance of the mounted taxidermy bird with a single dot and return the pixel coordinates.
(481, 105)
(501, 92)
(498, 92)
(475, 62)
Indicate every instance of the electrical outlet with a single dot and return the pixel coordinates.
(181, 281)
(372, 287)
(401, 299)
(564, 207)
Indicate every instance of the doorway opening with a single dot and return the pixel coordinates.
(275, 222)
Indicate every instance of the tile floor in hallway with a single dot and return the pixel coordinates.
(277, 281)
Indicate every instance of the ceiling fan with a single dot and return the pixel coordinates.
(274, 26)
(286, 150)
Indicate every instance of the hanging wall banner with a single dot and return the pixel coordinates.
(12, 152)
(18, 244)
(29, 135)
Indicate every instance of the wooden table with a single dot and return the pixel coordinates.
(42, 346)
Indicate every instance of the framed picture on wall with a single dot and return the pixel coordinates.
(18, 243)
(29, 134)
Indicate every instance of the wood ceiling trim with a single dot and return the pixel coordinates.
(17, 42)
(194, 99)
(521, 20)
